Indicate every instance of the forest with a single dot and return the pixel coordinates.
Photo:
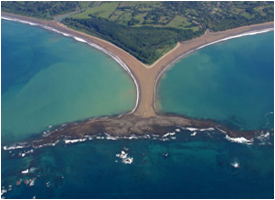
(150, 29)
(39, 9)
(145, 43)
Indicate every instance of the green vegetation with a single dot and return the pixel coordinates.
(105, 10)
(39, 9)
(182, 15)
(147, 30)
(145, 43)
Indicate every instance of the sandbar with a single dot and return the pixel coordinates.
(144, 118)
(148, 76)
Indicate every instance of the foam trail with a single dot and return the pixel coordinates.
(5, 148)
(240, 140)
(115, 57)
(237, 36)
(198, 129)
(74, 141)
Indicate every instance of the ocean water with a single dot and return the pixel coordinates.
(201, 164)
(48, 79)
(195, 167)
(231, 82)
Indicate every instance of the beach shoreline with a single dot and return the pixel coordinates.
(113, 56)
(173, 62)
(146, 78)
(144, 118)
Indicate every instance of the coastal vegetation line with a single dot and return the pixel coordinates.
(145, 78)
(147, 30)
(144, 118)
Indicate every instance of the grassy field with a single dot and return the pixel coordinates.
(180, 15)
(136, 14)
(103, 10)
(147, 30)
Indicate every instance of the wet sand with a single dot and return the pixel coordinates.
(147, 76)
(144, 118)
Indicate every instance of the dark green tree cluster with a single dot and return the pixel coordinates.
(39, 9)
(142, 42)
(142, 28)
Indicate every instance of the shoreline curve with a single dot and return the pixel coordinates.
(173, 62)
(146, 78)
(143, 118)
(112, 55)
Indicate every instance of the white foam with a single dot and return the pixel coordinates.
(194, 134)
(235, 164)
(133, 137)
(109, 137)
(125, 158)
(25, 171)
(207, 129)
(197, 129)
(45, 145)
(264, 138)
(32, 182)
(48, 184)
(168, 134)
(5, 148)
(240, 140)
(191, 129)
(80, 40)
(3, 191)
(74, 141)
(237, 36)
(128, 160)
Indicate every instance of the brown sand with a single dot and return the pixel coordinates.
(144, 119)
(145, 75)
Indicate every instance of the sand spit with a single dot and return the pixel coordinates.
(146, 77)
(144, 117)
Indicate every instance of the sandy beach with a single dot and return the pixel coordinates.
(144, 118)
(146, 77)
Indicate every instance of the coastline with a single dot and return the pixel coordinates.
(113, 56)
(173, 62)
(144, 118)
(145, 78)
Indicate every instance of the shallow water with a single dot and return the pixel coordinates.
(48, 79)
(231, 82)
(188, 165)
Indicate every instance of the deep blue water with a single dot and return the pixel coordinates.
(196, 167)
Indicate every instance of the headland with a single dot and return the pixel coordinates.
(144, 118)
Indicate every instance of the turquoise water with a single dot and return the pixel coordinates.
(196, 167)
(48, 79)
(231, 82)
